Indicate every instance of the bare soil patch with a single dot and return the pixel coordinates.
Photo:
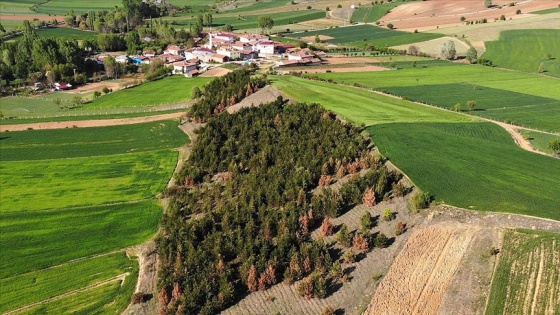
(426, 15)
(340, 69)
(114, 85)
(433, 47)
(312, 38)
(347, 60)
(420, 275)
(265, 95)
(216, 72)
(89, 123)
(30, 17)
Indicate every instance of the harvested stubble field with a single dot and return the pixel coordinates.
(421, 273)
(527, 278)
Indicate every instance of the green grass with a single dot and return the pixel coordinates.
(62, 7)
(369, 13)
(474, 166)
(38, 239)
(539, 140)
(361, 35)
(68, 33)
(174, 89)
(88, 142)
(83, 181)
(250, 21)
(258, 6)
(520, 82)
(547, 11)
(515, 276)
(111, 298)
(39, 285)
(526, 50)
(359, 106)
(523, 109)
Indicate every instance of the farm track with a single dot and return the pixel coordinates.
(120, 278)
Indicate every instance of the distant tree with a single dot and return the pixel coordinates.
(518, 11)
(400, 228)
(207, 19)
(388, 215)
(390, 26)
(413, 50)
(457, 107)
(339, 6)
(106, 90)
(227, 28)
(472, 55)
(448, 50)
(471, 105)
(381, 240)
(349, 256)
(265, 22)
(196, 92)
(317, 38)
(2, 29)
(554, 145)
(488, 3)
(369, 197)
(77, 100)
(360, 243)
(111, 66)
(502, 17)
(328, 311)
(96, 94)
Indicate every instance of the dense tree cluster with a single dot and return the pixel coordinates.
(242, 216)
(224, 92)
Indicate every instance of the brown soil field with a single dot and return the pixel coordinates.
(216, 72)
(265, 95)
(30, 17)
(429, 15)
(312, 38)
(420, 275)
(98, 86)
(345, 60)
(433, 47)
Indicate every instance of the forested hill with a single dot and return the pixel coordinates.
(241, 219)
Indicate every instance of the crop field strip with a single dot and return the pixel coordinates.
(527, 278)
(68, 244)
(490, 103)
(473, 166)
(369, 13)
(364, 34)
(526, 50)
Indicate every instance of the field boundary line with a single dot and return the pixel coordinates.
(120, 277)
(538, 280)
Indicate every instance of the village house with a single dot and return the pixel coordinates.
(173, 50)
(242, 46)
(202, 53)
(301, 54)
(265, 48)
(247, 38)
(138, 60)
(149, 53)
(122, 59)
(230, 52)
(226, 37)
(186, 68)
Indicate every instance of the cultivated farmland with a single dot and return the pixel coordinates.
(421, 273)
(527, 50)
(474, 166)
(93, 188)
(527, 278)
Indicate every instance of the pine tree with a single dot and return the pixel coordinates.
(252, 279)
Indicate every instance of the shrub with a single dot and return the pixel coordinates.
(388, 215)
(381, 241)
(138, 298)
(400, 228)
(390, 26)
(421, 200)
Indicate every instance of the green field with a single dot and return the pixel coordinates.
(69, 194)
(254, 7)
(360, 35)
(539, 140)
(369, 13)
(547, 11)
(39, 285)
(522, 109)
(516, 288)
(241, 22)
(474, 166)
(68, 33)
(62, 7)
(526, 50)
(171, 90)
(89, 142)
(359, 106)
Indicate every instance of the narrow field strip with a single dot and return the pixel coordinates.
(33, 287)
(120, 278)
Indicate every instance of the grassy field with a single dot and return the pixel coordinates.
(62, 7)
(369, 13)
(519, 82)
(539, 140)
(250, 21)
(258, 6)
(89, 142)
(39, 285)
(522, 109)
(174, 89)
(547, 11)
(526, 50)
(516, 288)
(359, 106)
(474, 166)
(72, 193)
(361, 35)
(68, 33)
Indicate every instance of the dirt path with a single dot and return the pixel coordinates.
(120, 278)
(89, 123)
